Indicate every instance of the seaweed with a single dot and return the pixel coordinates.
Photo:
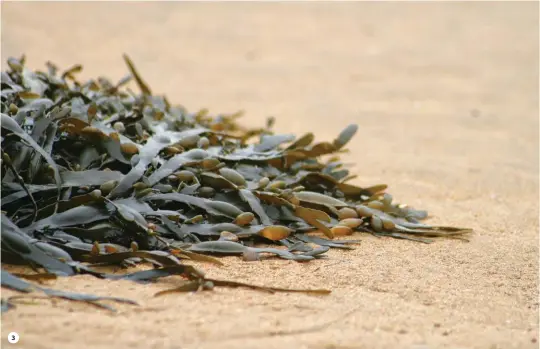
(14, 283)
(94, 174)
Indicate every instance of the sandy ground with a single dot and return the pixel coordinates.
(446, 96)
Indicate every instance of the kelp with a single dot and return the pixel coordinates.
(209, 284)
(94, 174)
(14, 283)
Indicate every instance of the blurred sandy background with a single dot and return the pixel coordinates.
(446, 97)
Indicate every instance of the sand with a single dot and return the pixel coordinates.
(446, 97)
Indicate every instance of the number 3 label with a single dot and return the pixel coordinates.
(13, 337)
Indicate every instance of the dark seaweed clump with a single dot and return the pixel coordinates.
(94, 174)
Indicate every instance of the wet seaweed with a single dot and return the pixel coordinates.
(94, 174)
(14, 283)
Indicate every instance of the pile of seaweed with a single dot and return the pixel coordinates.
(95, 174)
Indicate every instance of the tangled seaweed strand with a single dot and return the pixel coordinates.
(93, 173)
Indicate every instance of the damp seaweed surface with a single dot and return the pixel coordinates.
(95, 174)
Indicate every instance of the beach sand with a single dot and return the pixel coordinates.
(446, 99)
